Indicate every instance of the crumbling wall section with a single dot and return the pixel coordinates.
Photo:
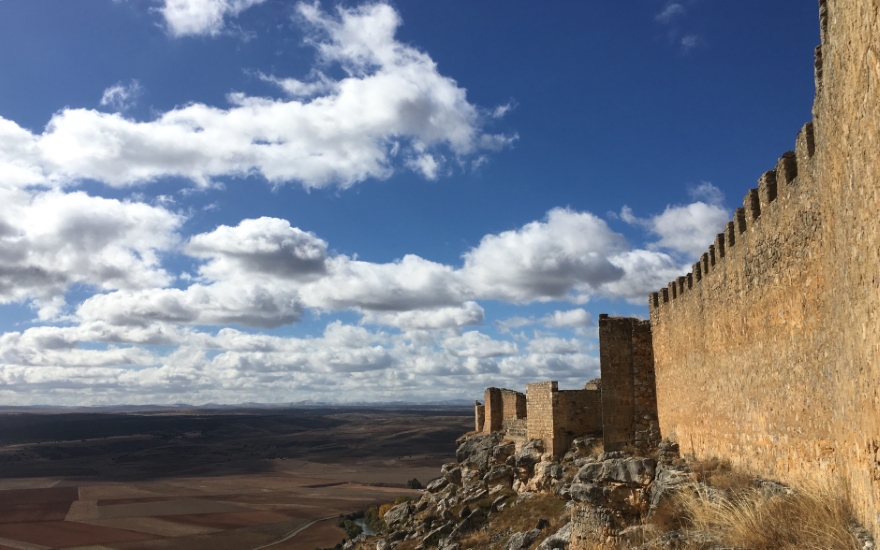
(541, 400)
(479, 416)
(629, 403)
(493, 409)
(513, 404)
(768, 352)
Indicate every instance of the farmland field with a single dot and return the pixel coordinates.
(199, 479)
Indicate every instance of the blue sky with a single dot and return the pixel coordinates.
(261, 200)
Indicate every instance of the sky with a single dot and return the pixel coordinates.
(234, 201)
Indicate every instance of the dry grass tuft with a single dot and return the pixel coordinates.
(814, 518)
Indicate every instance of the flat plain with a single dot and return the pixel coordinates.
(193, 479)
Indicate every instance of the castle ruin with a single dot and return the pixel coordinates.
(622, 408)
(767, 353)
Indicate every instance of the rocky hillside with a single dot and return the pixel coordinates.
(494, 497)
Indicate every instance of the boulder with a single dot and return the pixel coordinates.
(437, 484)
(383, 545)
(503, 451)
(398, 515)
(558, 540)
(667, 482)
(522, 540)
(499, 475)
(476, 450)
(590, 493)
(635, 471)
(530, 454)
(546, 475)
(474, 520)
(452, 473)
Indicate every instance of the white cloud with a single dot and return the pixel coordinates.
(574, 318)
(569, 252)
(477, 344)
(688, 229)
(201, 17)
(50, 240)
(444, 317)
(409, 284)
(555, 346)
(671, 12)
(221, 303)
(392, 99)
(121, 97)
(264, 246)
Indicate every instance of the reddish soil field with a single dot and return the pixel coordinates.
(229, 540)
(237, 520)
(61, 534)
(210, 481)
(37, 496)
(320, 535)
(48, 511)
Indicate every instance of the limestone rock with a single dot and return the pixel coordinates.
(637, 471)
(558, 540)
(503, 451)
(452, 473)
(522, 540)
(476, 450)
(397, 516)
(499, 475)
(530, 454)
(667, 482)
(436, 485)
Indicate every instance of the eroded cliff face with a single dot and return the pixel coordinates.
(768, 353)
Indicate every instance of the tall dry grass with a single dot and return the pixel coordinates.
(812, 518)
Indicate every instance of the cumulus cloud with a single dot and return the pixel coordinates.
(470, 313)
(688, 229)
(219, 303)
(545, 260)
(573, 318)
(50, 240)
(264, 246)
(201, 17)
(477, 344)
(266, 273)
(392, 110)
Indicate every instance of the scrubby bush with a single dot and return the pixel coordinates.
(351, 528)
(414, 483)
(373, 519)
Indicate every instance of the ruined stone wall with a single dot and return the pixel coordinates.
(768, 352)
(479, 416)
(581, 411)
(558, 417)
(541, 399)
(513, 404)
(493, 410)
(629, 402)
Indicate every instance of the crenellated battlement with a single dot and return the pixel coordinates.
(766, 353)
(776, 188)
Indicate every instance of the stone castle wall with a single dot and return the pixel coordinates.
(768, 352)
(558, 417)
(629, 403)
(513, 404)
